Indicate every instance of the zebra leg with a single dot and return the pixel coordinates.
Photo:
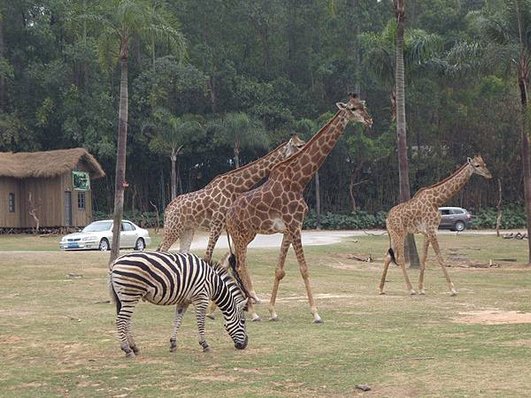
(179, 313)
(123, 324)
(200, 312)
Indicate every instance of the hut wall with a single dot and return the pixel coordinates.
(44, 195)
(10, 219)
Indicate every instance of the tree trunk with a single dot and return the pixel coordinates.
(120, 155)
(2, 78)
(173, 158)
(523, 76)
(403, 167)
(499, 209)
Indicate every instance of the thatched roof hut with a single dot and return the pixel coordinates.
(47, 164)
(46, 189)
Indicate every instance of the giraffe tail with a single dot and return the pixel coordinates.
(391, 253)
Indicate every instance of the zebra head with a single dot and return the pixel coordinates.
(234, 314)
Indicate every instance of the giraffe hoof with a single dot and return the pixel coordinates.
(422, 292)
(412, 292)
(382, 293)
(256, 319)
(453, 292)
(274, 318)
(211, 316)
(318, 320)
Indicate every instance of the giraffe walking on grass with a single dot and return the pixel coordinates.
(278, 205)
(421, 215)
(207, 207)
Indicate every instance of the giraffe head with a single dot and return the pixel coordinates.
(356, 110)
(293, 146)
(479, 166)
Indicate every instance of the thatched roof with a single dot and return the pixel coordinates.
(47, 164)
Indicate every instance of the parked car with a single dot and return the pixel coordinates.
(455, 218)
(98, 236)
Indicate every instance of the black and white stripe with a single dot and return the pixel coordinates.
(177, 279)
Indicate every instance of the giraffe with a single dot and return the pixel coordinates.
(278, 205)
(420, 214)
(207, 207)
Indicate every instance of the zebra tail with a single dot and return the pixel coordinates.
(391, 253)
(114, 297)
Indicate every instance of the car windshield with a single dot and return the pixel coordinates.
(98, 226)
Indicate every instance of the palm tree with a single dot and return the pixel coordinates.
(119, 23)
(400, 98)
(240, 131)
(172, 133)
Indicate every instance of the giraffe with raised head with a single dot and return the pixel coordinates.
(207, 207)
(278, 205)
(420, 214)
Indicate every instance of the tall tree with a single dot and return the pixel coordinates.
(121, 22)
(403, 165)
(172, 133)
(239, 130)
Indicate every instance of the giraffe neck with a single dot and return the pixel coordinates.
(444, 190)
(246, 177)
(303, 166)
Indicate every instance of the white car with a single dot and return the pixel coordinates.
(98, 236)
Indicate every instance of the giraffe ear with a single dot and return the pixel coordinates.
(341, 105)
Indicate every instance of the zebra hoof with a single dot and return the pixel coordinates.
(206, 349)
(135, 349)
(130, 354)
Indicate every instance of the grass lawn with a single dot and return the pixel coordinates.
(58, 338)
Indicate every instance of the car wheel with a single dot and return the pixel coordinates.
(459, 226)
(140, 244)
(104, 245)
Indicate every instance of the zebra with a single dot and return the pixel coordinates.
(179, 279)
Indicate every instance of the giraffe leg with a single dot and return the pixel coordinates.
(303, 267)
(215, 230)
(186, 238)
(435, 245)
(200, 312)
(211, 310)
(241, 259)
(400, 258)
(171, 234)
(387, 261)
(279, 275)
(423, 258)
(179, 313)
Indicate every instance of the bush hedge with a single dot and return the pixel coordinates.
(513, 217)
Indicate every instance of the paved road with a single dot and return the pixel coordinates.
(309, 238)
